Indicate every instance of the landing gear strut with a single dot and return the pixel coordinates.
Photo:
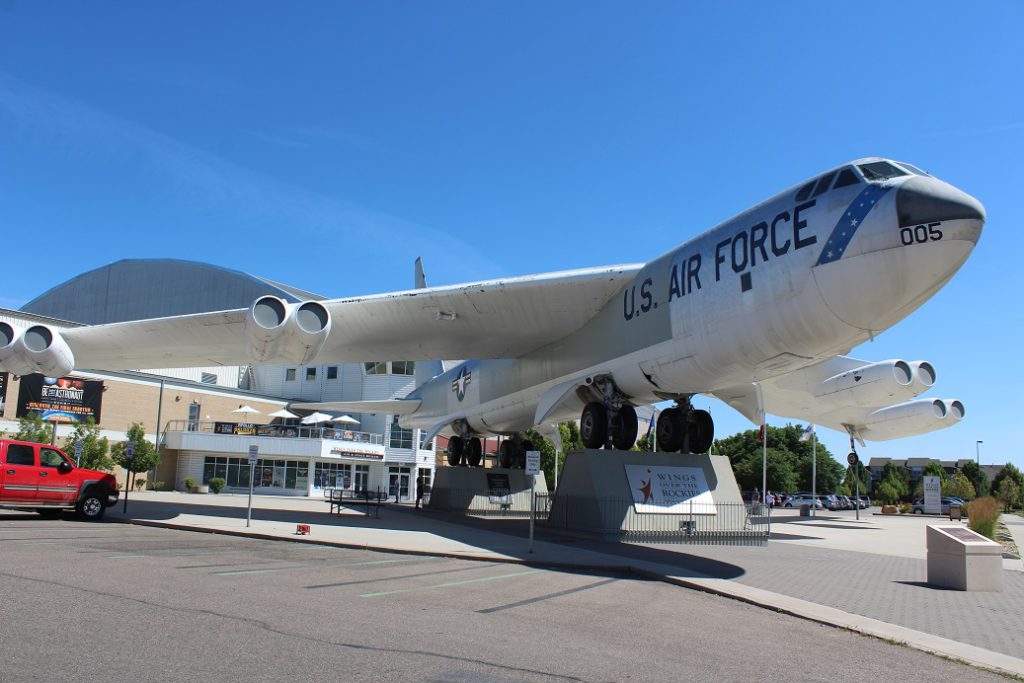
(684, 428)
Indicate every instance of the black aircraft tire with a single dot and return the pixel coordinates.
(671, 430)
(520, 463)
(505, 454)
(474, 451)
(594, 425)
(455, 451)
(701, 432)
(626, 428)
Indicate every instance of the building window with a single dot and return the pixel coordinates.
(208, 378)
(334, 475)
(403, 367)
(376, 368)
(279, 474)
(424, 444)
(310, 373)
(289, 375)
(362, 477)
(400, 438)
(332, 372)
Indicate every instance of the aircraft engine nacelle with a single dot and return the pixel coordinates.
(277, 331)
(39, 348)
(871, 385)
(911, 418)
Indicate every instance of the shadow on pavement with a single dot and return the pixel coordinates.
(505, 536)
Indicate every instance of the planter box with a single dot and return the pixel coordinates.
(201, 488)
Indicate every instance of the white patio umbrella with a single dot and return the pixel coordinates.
(316, 418)
(246, 410)
(345, 419)
(283, 413)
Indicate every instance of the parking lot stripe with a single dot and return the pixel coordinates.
(396, 578)
(549, 596)
(311, 566)
(448, 584)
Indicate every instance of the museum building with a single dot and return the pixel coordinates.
(210, 417)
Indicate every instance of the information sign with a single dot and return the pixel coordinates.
(932, 495)
(533, 462)
(254, 454)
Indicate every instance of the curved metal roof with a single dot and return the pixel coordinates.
(136, 289)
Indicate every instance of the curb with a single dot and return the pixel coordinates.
(963, 653)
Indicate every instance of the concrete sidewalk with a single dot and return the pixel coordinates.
(865, 576)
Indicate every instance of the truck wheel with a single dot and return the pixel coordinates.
(90, 506)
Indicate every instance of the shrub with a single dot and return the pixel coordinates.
(216, 484)
(156, 486)
(139, 484)
(983, 513)
(189, 483)
(887, 493)
(889, 510)
(905, 508)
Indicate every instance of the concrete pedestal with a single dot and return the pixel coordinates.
(961, 559)
(479, 489)
(670, 496)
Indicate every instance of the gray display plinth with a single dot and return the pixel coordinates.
(485, 491)
(653, 496)
(961, 559)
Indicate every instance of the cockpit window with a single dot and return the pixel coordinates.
(880, 170)
(846, 177)
(805, 191)
(913, 169)
(823, 184)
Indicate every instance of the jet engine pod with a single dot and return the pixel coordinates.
(907, 419)
(309, 328)
(954, 411)
(870, 385)
(265, 327)
(9, 358)
(924, 375)
(42, 349)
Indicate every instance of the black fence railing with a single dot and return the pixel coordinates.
(618, 518)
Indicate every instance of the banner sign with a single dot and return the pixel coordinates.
(352, 454)
(60, 399)
(670, 490)
(239, 428)
(933, 495)
(3, 391)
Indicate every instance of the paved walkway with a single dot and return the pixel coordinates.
(867, 575)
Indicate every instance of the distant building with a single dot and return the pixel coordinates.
(915, 467)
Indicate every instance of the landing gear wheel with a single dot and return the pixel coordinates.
(474, 451)
(626, 428)
(455, 451)
(505, 457)
(671, 430)
(521, 454)
(90, 506)
(594, 425)
(701, 431)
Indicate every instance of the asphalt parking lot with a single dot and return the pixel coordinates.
(118, 602)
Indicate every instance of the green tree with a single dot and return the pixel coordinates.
(887, 493)
(897, 477)
(32, 428)
(789, 460)
(854, 472)
(146, 455)
(547, 455)
(934, 469)
(977, 477)
(94, 447)
(1009, 493)
(959, 486)
(1008, 471)
(571, 439)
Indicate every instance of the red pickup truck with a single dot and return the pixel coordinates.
(39, 477)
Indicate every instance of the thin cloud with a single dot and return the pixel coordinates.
(271, 205)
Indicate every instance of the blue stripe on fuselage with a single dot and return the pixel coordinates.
(848, 223)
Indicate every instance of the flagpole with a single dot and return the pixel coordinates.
(814, 470)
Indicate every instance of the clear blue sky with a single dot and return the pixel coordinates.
(327, 144)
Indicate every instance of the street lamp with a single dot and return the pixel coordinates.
(977, 452)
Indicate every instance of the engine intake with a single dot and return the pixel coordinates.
(39, 348)
(277, 331)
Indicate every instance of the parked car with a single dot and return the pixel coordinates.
(918, 506)
(865, 502)
(797, 500)
(39, 477)
(844, 502)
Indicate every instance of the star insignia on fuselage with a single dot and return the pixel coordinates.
(461, 381)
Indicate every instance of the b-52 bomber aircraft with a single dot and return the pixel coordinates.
(756, 311)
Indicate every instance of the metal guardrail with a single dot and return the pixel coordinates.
(280, 431)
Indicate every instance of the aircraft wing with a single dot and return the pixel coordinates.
(872, 400)
(492, 319)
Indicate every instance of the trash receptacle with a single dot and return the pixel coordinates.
(955, 513)
(805, 510)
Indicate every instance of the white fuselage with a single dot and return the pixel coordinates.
(778, 287)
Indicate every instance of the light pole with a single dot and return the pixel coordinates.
(977, 452)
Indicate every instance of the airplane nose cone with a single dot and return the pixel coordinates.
(920, 201)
